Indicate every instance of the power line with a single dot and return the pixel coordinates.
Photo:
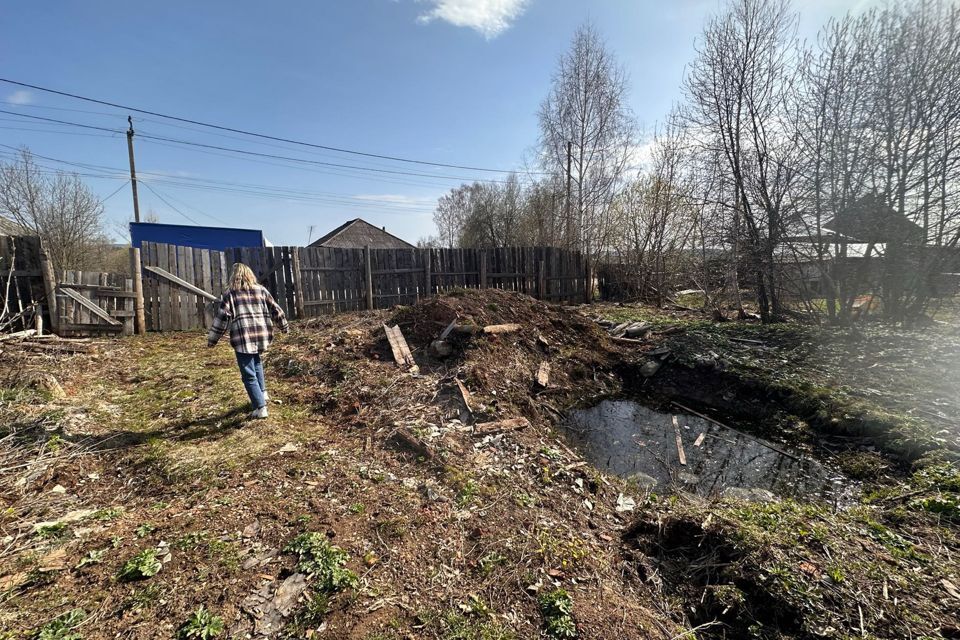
(304, 160)
(251, 133)
(225, 186)
(255, 153)
(115, 192)
(190, 206)
(54, 120)
(162, 199)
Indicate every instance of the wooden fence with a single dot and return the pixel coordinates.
(179, 283)
(21, 281)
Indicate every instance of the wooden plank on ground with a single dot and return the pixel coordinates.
(680, 452)
(543, 374)
(401, 351)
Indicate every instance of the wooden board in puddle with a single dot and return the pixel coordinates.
(634, 441)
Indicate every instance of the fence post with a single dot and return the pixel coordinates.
(542, 280)
(297, 283)
(50, 287)
(369, 272)
(483, 268)
(136, 270)
(427, 276)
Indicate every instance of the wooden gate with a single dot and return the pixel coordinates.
(90, 303)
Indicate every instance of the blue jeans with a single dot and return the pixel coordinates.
(251, 371)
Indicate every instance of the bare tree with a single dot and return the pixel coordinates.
(587, 109)
(738, 89)
(655, 217)
(881, 155)
(56, 206)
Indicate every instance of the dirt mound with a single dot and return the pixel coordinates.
(501, 370)
(424, 321)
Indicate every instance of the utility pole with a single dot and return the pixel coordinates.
(133, 171)
(569, 219)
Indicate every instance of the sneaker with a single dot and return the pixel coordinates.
(259, 414)
(266, 397)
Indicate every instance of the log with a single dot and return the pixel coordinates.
(450, 327)
(401, 351)
(18, 335)
(500, 426)
(58, 347)
(618, 330)
(408, 440)
(492, 329)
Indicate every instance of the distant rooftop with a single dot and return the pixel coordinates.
(358, 233)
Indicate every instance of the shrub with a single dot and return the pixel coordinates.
(319, 559)
(142, 565)
(556, 607)
(201, 624)
(62, 627)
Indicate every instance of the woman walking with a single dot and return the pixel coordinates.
(250, 313)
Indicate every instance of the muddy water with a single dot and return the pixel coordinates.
(634, 441)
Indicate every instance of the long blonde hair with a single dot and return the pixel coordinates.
(242, 277)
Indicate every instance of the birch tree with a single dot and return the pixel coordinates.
(586, 111)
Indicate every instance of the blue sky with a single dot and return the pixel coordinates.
(448, 81)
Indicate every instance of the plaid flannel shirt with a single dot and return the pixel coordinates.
(250, 315)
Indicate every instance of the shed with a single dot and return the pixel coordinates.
(871, 220)
(216, 238)
(358, 233)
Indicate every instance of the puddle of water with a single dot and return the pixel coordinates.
(630, 440)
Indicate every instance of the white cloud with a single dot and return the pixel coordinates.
(488, 17)
(20, 96)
